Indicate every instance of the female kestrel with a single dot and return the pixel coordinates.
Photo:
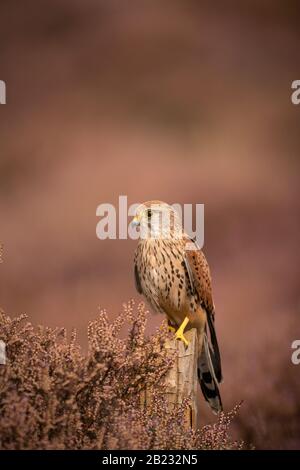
(172, 273)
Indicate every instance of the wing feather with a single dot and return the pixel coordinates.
(200, 279)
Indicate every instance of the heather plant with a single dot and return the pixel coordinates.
(52, 396)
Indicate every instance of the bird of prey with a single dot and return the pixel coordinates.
(173, 275)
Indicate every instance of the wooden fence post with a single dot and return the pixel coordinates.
(182, 379)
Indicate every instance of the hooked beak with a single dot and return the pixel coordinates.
(135, 221)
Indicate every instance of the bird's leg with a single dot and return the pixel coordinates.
(180, 331)
(171, 327)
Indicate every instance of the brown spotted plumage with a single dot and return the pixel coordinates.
(174, 276)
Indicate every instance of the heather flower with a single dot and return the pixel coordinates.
(52, 396)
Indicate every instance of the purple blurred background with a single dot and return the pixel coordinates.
(175, 100)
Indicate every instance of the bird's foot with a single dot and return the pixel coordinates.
(179, 333)
(171, 328)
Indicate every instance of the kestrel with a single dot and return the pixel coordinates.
(173, 275)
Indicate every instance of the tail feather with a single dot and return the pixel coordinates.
(214, 351)
(207, 377)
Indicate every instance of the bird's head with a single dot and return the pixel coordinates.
(157, 219)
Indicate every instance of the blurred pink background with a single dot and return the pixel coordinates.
(179, 101)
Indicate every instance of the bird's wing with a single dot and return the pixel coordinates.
(200, 279)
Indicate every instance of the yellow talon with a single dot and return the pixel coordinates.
(180, 331)
(171, 328)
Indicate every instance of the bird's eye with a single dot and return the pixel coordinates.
(149, 213)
